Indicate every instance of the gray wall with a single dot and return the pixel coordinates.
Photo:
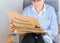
(15, 5)
(59, 11)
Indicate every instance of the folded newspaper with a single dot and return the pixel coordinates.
(24, 23)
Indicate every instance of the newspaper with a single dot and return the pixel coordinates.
(24, 23)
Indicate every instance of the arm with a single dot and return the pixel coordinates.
(53, 31)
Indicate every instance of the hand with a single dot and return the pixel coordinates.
(12, 27)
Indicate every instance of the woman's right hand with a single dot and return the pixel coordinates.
(12, 27)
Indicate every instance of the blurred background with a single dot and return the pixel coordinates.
(17, 6)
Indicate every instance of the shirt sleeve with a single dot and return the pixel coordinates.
(24, 12)
(53, 24)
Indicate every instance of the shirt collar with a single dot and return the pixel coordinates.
(44, 9)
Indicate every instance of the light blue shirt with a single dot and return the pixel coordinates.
(47, 18)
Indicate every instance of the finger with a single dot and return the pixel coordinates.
(12, 29)
(12, 25)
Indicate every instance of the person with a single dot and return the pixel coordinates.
(47, 18)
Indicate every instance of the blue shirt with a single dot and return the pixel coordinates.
(47, 18)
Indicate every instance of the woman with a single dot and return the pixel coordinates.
(47, 18)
